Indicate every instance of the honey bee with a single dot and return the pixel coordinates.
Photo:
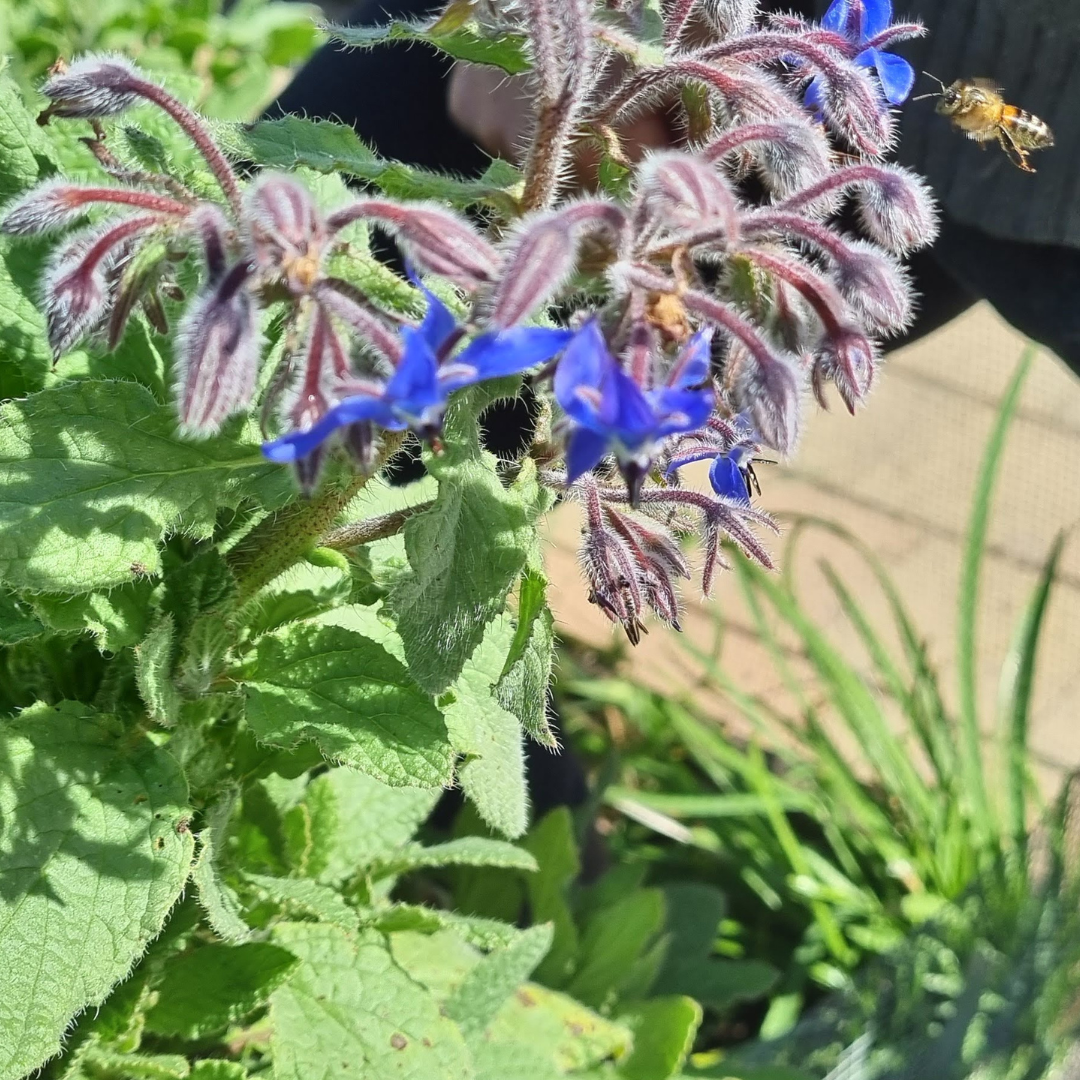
(977, 108)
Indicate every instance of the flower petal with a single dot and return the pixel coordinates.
(681, 410)
(626, 411)
(414, 386)
(584, 451)
(692, 366)
(727, 479)
(878, 15)
(510, 352)
(835, 19)
(583, 365)
(896, 74)
(298, 444)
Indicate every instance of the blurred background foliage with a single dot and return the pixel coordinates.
(867, 887)
(240, 53)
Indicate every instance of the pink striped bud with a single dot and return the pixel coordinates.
(57, 203)
(288, 234)
(93, 87)
(791, 154)
(75, 285)
(684, 191)
(217, 351)
(432, 238)
(541, 255)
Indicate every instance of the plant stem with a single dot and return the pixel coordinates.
(377, 528)
(282, 539)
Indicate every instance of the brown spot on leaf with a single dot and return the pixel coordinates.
(398, 1041)
(526, 998)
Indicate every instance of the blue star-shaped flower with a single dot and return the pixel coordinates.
(861, 22)
(415, 396)
(611, 413)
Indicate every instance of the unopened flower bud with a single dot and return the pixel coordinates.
(434, 239)
(57, 203)
(218, 354)
(93, 87)
(75, 286)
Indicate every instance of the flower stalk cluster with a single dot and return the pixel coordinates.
(717, 303)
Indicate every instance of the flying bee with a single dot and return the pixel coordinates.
(977, 108)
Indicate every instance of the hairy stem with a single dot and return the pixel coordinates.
(357, 533)
(283, 538)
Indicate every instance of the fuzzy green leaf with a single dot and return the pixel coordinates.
(466, 851)
(94, 851)
(381, 819)
(492, 775)
(523, 685)
(465, 554)
(548, 1027)
(217, 899)
(306, 897)
(153, 672)
(91, 479)
(481, 932)
(664, 1030)
(480, 996)
(117, 618)
(335, 148)
(352, 698)
(454, 34)
(17, 619)
(208, 988)
(349, 1011)
(217, 1069)
(25, 155)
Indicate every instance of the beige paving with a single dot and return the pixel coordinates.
(900, 476)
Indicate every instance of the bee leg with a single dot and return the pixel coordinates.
(1015, 153)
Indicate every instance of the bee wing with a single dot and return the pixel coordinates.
(988, 84)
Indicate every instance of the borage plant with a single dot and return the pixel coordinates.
(209, 339)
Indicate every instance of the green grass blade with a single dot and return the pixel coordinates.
(856, 706)
(971, 758)
(1014, 700)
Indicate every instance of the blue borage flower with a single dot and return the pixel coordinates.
(610, 413)
(730, 445)
(861, 22)
(416, 394)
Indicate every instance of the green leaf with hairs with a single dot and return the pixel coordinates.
(334, 148)
(208, 988)
(92, 477)
(350, 1011)
(355, 700)
(94, 852)
(465, 554)
(454, 33)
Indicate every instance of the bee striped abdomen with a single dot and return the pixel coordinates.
(1027, 130)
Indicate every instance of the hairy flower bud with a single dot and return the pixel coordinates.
(433, 238)
(791, 154)
(849, 359)
(93, 87)
(895, 206)
(687, 192)
(287, 232)
(537, 263)
(217, 354)
(57, 203)
(75, 285)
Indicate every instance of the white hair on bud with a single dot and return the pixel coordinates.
(94, 86)
(217, 351)
(898, 209)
